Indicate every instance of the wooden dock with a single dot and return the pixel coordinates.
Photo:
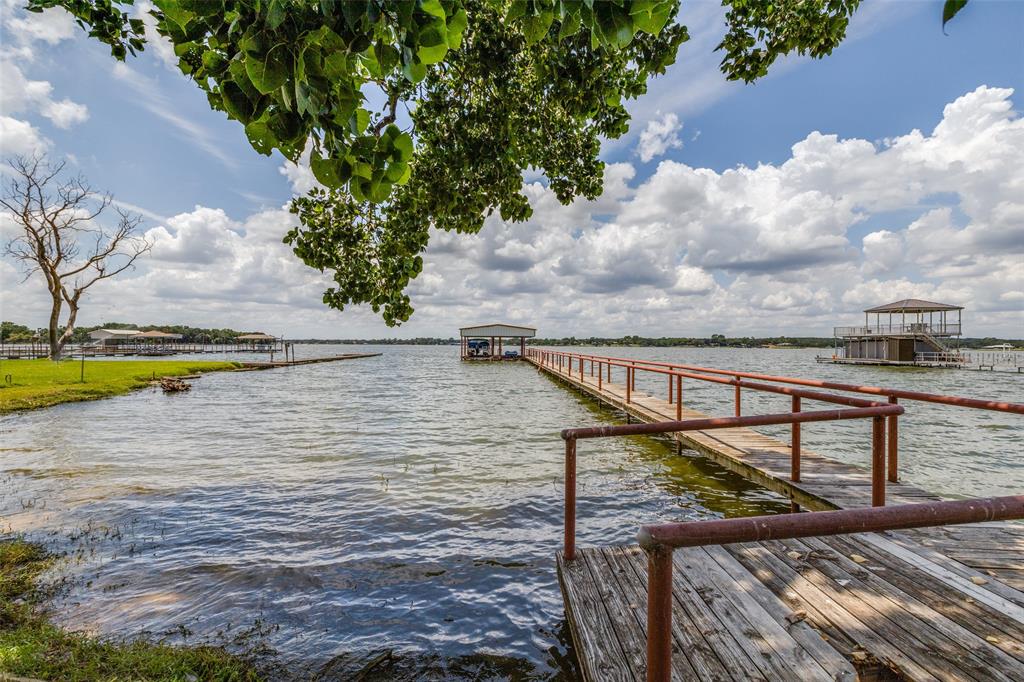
(270, 364)
(940, 603)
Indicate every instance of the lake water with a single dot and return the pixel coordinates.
(407, 503)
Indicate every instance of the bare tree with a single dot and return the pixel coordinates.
(60, 233)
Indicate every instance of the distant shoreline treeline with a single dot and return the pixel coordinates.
(16, 333)
(714, 341)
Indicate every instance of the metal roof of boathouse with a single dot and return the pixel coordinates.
(913, 305)
(499, 329)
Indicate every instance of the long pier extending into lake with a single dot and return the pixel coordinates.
(797, 596)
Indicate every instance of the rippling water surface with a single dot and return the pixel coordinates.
(407, 503)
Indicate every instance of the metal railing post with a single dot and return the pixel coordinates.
(569, 550)
(679, 397)
(738, 411)
(629, 383)
(794, 465)
(600, 373)
(669, 389)
(893, 444)
(659, 614)
(878, 461)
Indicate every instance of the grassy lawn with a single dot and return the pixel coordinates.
(30, 646)
(41, 383)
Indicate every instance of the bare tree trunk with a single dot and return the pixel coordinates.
(54, 328)
(69, 326)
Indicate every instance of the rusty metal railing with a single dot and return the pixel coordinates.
(877, 413)
(676, 372)
(659, 541)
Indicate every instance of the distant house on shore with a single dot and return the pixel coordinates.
(114, 337)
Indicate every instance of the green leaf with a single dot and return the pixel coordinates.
(396, 171)
(328, 172)
(173, 10)
(650, 16)
(535, 26)
(456, 27)
(433, 8)
(414, 71)
(275, 13)
(950, 10)
(403, 145)
(260, 137)
(360, 119)
(336, 65)
(570, 26)
(433, 43)
(236, 103)
(268, 72)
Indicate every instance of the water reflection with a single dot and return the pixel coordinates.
(397, 515)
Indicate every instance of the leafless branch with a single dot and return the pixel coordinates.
(58, 221)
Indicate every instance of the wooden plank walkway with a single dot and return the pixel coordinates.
(836, 608)
(927, 604)
(305, 361)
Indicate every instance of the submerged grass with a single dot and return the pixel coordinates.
(31, 646)
(29, 384)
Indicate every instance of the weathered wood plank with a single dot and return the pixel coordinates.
(621, 606)
(843, 627)
(691, 657)
(760, 637)
(864, 591)
(801, 631)
(600, 654)
(963, 610)
(696, 613)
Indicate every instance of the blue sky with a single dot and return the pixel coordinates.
(150, 137)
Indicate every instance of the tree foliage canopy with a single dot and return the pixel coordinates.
(485, 89)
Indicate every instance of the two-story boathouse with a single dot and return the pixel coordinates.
(907, 332)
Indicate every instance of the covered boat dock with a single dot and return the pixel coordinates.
(487, 341)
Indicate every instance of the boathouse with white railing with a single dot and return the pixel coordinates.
(907, 332)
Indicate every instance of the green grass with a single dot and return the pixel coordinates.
(31, 646)
(41, 383)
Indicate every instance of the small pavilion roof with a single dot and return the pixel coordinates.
(913, 305)
(498, 329)
(157, 334)
(117, 332)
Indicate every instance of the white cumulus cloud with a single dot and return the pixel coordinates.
(660, 135)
